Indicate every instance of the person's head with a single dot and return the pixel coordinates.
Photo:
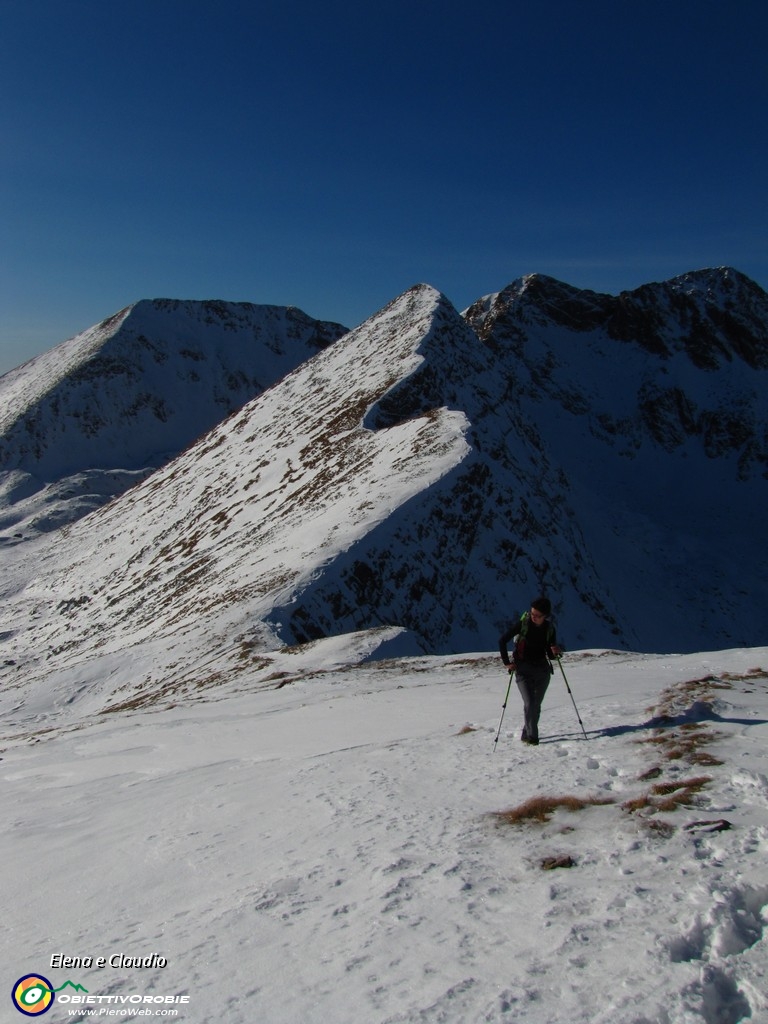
(541, 608)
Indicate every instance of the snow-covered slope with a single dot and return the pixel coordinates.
(199, 555)
(334, 848)
(81, 423)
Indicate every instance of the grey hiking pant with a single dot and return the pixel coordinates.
(532, 680)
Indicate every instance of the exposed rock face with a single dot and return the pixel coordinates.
(717, 319)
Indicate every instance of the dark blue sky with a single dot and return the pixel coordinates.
(330, 155)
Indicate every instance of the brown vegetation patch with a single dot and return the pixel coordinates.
(676, 700)
(668, 796)
(683, 743)
(541, 808)
(281, 679)
(748, 676)
(679, 739)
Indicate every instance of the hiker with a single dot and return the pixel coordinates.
(535, 643)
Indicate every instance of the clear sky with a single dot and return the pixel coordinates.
(330, 154)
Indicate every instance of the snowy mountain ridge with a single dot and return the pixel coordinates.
(423, 476)
(614, 467)
(82, 422)
(262, 503)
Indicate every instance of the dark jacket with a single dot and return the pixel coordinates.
(534, 647)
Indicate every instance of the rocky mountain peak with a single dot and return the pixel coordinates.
(714, 316)
(104, 409)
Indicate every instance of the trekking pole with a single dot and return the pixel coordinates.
(503, 709)
(565, 680)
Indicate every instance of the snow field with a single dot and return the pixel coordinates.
(328, 851)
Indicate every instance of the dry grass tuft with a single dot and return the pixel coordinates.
(679, 794)
(681, 740)
(466, 729)
(668, 796)
(684, 743)
(675, 700)
(748, 676)
(541, 808)
(706, 760)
